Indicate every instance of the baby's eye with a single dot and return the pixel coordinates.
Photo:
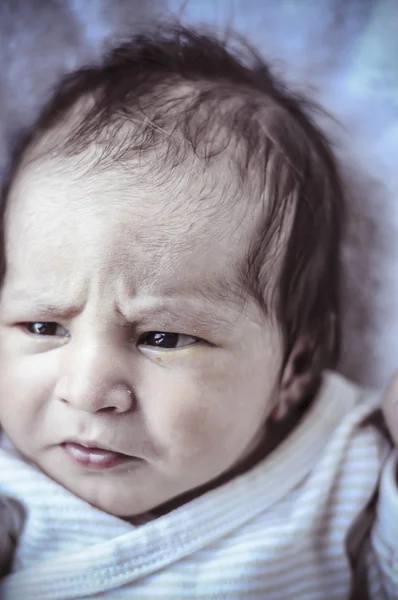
(167, 340)
(46, 328)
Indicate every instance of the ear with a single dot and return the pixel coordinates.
(296, 377)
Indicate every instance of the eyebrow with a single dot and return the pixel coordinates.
(34, 301)
(199, 316)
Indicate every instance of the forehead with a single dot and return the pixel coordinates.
(183, 223)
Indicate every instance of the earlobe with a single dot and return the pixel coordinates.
(295, 379)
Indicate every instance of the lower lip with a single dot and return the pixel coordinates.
(94, 458)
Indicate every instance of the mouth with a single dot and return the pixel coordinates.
(93, 456)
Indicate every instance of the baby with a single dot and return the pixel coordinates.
(169, 315)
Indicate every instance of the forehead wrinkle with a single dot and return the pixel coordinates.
(220, 302)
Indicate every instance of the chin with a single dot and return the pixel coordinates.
(114, 505)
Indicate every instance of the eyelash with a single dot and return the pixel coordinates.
(157, 337)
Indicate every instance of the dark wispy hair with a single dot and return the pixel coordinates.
(216, 95)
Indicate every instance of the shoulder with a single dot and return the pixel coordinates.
(355, 452)
(357, 408)
(350, 394)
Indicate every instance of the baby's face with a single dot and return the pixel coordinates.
(131, 369)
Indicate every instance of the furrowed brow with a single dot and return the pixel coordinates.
(185, 313)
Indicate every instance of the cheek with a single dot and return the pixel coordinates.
(178, 411)
(25, 386)
(213, 406)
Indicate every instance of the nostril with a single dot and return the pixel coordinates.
(108, 409)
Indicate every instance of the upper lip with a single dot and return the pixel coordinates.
(92, 444)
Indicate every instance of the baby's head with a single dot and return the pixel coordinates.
(170, 280)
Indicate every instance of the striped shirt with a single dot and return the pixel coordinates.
(303, 523)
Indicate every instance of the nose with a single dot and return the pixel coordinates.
(95, 378)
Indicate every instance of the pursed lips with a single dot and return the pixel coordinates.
(93, 445)
(93, 455)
